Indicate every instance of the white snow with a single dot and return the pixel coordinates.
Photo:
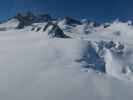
(10, 24)
(34, 67)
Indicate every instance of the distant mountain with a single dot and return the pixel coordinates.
(69, 26)
(25, 19)
(30, 18)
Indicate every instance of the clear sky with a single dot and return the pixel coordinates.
(99, 10)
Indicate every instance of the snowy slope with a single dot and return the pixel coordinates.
(89, 63)
(10, 24)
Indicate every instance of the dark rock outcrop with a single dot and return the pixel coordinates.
(72, 21)
(30, 18)
(55, 31)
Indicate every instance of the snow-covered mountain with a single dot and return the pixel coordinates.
(43, 58)
(24, 19)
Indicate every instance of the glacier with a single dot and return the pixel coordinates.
(65, 59)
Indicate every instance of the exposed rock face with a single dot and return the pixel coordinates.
(71, 21)
(55, 31)
(29, 18)
(52, 29)
(24, 20)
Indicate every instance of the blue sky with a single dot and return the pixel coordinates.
(99, 10)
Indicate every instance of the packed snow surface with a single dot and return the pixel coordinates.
(95, 63)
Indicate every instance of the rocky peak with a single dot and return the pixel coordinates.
(71, 21)
(29, 18)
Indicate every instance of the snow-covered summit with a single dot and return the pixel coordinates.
(22, 20)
